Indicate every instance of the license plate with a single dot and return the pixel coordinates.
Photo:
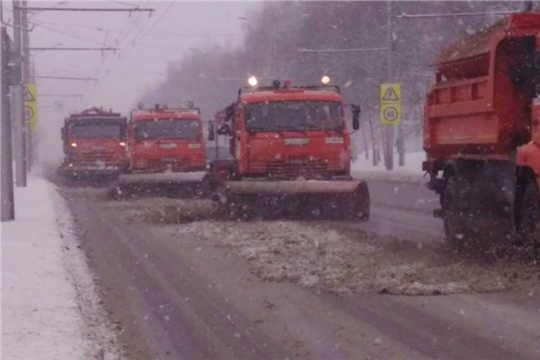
(334, 140)
(169, 160)
(296, 141)
(168, 146)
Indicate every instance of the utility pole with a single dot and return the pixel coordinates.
(7, 203)
(30, 138)
(17, 103)
(389, 75)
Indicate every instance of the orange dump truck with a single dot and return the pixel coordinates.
(94, 143)
(166, 149)
(482, 132)
(291, 152)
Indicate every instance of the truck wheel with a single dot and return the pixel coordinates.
(529, 216)
(453, 215)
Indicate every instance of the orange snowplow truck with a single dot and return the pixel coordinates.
(482, 132)
(94, 144)
(166, 147)
(291, 152)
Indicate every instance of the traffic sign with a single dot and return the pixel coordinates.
(391, 114)
(390, 104)
(390, 93)
(28, 113)
(30, 105)
(28, 93)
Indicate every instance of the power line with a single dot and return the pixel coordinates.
(66, 78)
(341, 50)
(121, 31)
(120, 41)
(60, 95)
(124, 3)
(88, 9)
(143, 36)
(57, 68)
(73, 48)
(67, 33)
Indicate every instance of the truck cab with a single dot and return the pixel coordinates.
(284, 132)
(166, 140)
(94, 143)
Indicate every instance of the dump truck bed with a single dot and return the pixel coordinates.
(464, 116)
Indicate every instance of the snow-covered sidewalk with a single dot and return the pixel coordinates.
(412, 172)
(50, 309)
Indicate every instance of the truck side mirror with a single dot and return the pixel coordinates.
(225, 129)
(211, 133)
(356, 110)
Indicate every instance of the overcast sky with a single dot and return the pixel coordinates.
(147, 44)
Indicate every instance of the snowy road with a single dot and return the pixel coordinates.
(404, 210)
(183, 289)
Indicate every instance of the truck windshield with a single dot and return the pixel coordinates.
(97, 131)
(294, 115)
(168, 129)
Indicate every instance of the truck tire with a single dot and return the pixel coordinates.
(529, 216)
(454, 215)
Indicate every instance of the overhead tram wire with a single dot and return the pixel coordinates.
(134, 43)
(119, 40)
(69, 34)
(117, 31)
(112, 66)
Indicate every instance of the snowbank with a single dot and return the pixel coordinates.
(50, 309)
(410, 173)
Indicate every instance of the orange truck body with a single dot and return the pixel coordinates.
(94, 143)
(166, 140)
(481, 123)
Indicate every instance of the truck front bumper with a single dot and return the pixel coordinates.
(74, 170)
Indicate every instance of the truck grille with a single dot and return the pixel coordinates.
(160, 165)
(294, 167)
(93, 156)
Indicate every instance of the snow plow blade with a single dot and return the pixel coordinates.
(87, 175)
(328, 199)
(187, 184)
